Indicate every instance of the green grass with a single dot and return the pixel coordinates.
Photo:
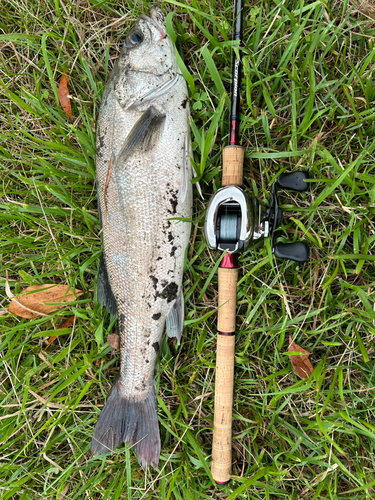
(308, 102)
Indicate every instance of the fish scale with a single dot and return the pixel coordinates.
(143, 175)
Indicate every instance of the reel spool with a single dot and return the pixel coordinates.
(229, 223)
(234, 219)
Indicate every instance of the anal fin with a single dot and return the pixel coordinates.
(175, 319)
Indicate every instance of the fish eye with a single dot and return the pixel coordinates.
(134, 39)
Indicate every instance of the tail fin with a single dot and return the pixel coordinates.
(131, 421)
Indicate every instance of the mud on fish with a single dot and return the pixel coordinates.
(143, 175)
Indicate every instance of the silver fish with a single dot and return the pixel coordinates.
(143, 175)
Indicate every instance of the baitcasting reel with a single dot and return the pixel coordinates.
(234, 219)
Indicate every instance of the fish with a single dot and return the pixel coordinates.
(144, 190)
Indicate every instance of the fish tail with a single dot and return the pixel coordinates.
(130, 420)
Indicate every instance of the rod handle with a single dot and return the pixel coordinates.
(221, 466)
(226, 321)
(233, 157)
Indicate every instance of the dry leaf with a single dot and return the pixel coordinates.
(64, 492)
(300, 362)
(67, 323)
(63, 94)
(31, 303)
(50, 341)
(64, 324)
(361, 99)
(114, 340)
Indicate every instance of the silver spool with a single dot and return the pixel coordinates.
(235, 197)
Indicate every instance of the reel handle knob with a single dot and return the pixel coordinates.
(297, 251)
(294, 181)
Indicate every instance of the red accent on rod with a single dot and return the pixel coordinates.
(229, 261)
(222, 483)
(234, 140)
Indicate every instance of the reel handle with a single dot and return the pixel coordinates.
(294, 181)
(297, 251)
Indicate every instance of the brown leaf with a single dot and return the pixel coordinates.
(63, 94)
(361, 99)
(32, 302)
(64, 492)
(64, 324)
(114, 340)
(68, 322)
(50, 341)
(300, 362)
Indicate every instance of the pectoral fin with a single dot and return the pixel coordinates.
(143, 135)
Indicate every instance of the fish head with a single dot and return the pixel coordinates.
(147, 62)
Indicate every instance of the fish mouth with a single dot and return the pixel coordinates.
(155, 20)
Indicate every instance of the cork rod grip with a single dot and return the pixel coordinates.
(221, 466)
(226, 321)
(233, 165)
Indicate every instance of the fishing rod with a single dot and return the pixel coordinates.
(233, 220)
